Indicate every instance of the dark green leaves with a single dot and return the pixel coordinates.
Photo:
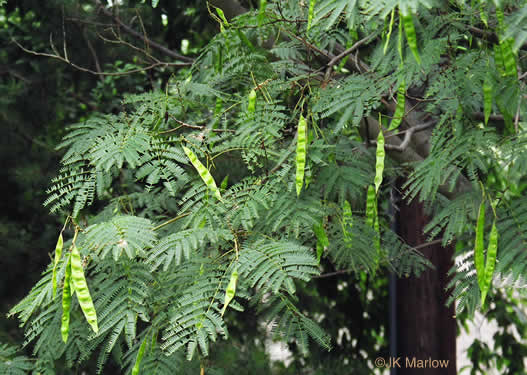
(122, 235)
(289, 261)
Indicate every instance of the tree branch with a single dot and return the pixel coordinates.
(146, 40)
(83, 69)
(408, 136)
(190, 126)
(94, 54)
(345, 53)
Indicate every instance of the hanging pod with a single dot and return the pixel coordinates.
(58, 255)
(479, 257)
(66, 302)
(231, 289)
(261, 12)
(347, 223)
(347, 219)
(81, 289)
(301, 145)
(372, 218)
(399, 109)
(371, 206)
(311, 13)
(390, 28)
(492, 252)
(139, 358)
(379, 160)
(251, 107)
(322, 239)
(203, 172)
(409, 29)
(487, 96)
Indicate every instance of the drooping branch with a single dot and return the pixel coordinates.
(345, 53)
(94, 54)
(408, 136)
(83, 69)
(159, 47)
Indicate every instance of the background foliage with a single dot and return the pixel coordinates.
(158, 247)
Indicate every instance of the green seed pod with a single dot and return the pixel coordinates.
(301, 146)
(379, 163)
(81, 289)
(203, 172)
(58, 255)
(231, 290)
(66, 303)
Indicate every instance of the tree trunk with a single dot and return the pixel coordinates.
(426, 328)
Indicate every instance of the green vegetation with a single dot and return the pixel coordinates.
(222, 160)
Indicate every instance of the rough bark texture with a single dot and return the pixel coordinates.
(426, 327)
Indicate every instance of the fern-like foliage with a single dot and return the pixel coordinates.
(274, 265)
(449, 156)
(173, 250)
(350, 100)
(194, 319)
(128, 235)
(14, 364)
(288, 323)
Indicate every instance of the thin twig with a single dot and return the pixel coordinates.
(345, 53)
(89, 22)
(408, 136)
(14, 73)
(145, 39)
(329, 274)
(434, 242)
(309, 45)
(199, 127)
(64, 35)
(119, 40)
(170, 221)
(93, 53)
(83, 69)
